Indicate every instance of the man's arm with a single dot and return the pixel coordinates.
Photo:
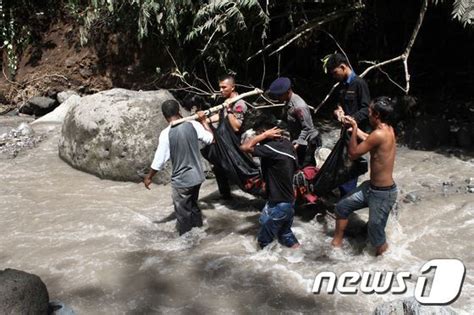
(361, 135)
(339, 113)
(249, 146)
(236, 115)
(234, 122)
(356, 150)
(148, 178)
(162, 155)
(304, 116)
(214, 118)
(347, 121)
(204, 132)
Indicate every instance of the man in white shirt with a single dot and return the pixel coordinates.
(180, 143)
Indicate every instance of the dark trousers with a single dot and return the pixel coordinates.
(222, 181)
(186, 208)
(305, 153)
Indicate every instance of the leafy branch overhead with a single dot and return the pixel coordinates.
(223, 33)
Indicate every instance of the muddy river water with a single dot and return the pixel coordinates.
(105, 247)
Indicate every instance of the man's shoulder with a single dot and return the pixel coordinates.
(240, 106)
(281, 143)
(298, 101)
(165, 132)
(359, 81)
(281, 146)
(186, 128)
(379, 135)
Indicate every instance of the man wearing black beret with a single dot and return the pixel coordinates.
(304, 136)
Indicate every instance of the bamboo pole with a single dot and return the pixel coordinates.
(218, 107)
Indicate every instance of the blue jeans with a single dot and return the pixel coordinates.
(380, 202)
(275, 221)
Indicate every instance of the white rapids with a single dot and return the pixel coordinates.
(105, 247)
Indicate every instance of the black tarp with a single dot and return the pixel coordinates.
(225, 152)
(241, 169)
(338, 168)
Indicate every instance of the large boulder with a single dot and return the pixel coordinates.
(22, 293)
(114, 134)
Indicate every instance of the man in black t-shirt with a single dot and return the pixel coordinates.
(279, 163)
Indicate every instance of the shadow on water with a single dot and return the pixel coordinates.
(168, 218)
(175, 285)
(237, 202)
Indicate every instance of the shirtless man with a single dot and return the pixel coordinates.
(380, 193)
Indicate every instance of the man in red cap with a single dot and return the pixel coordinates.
(304, 136)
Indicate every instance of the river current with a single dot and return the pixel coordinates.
(105, 247)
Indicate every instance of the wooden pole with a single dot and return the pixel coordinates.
(218, 107)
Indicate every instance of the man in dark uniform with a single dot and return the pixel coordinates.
(353, 100)
(304, 136)
(234, 113)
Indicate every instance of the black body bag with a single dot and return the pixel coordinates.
(225, 152)
(338, 168)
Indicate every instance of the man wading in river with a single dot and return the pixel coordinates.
(234, 113)
(180, 143)
(279, 164)
(380, 193)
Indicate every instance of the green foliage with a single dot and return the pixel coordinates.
(14, 38)
(463, 11)
(219, 23)
(182, 22)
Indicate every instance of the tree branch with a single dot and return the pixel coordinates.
(190, 87)
(403, 57)
(302, 29)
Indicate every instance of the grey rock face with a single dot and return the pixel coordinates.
(38, 106)
(411, 198)
(114, 134)
(64, 95)
(410, 306)
(59, 113)
(18, 139)
(22, 293)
